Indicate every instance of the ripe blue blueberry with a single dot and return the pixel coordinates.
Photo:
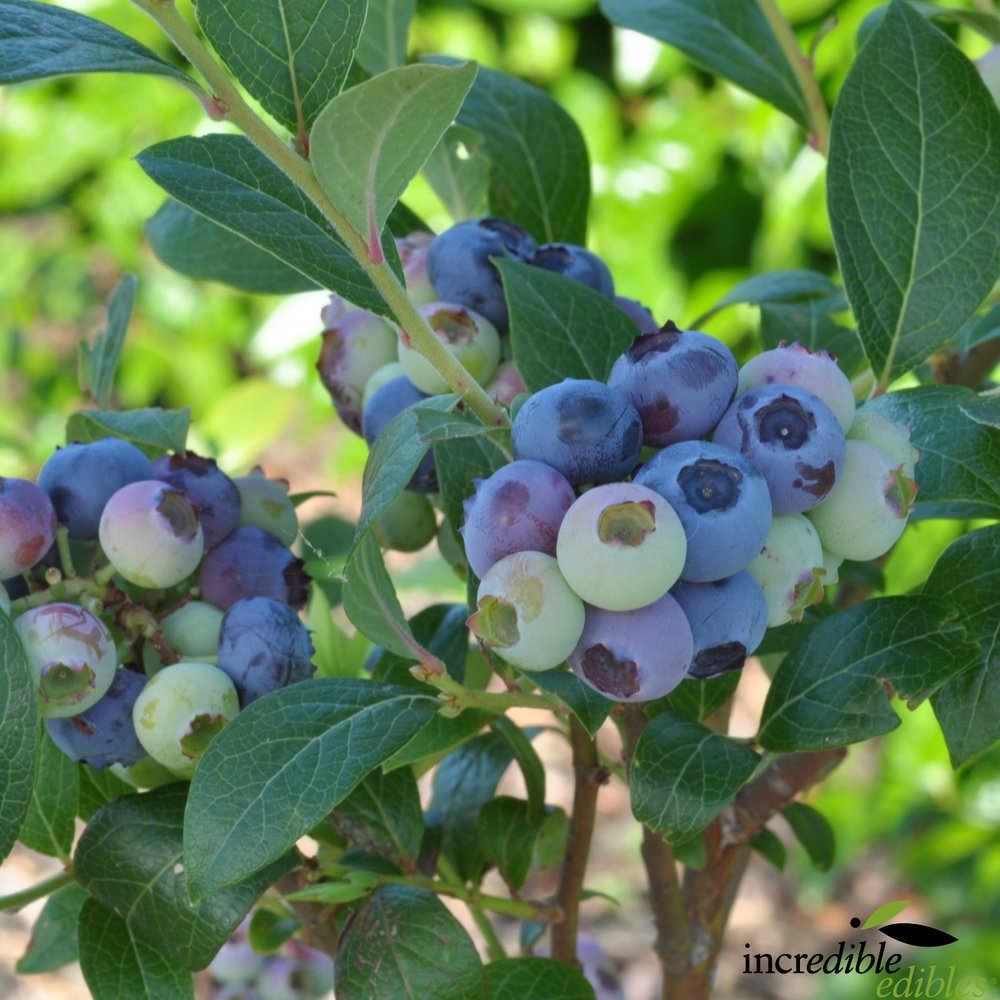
(586, 430)
(634, 655)
(638, 313)
(389, 399)
(722, 501)
(728, 620)
(792, 436)
(680, 381)
(263, 646)
(575, 262)
(27, 525)
(81, 478)
(518, 508)
(213, 494)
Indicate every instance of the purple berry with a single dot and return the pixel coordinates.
(81, 478)
(413, 250)
(575, 262)
(680, 381)
(213, 494)
(519, 508)
(641, 315)
(27, 525)
(506, 384)
(793, 437)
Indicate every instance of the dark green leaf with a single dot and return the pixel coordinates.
(269, 930)
(698, 699)
(773, 286)
(18, 735)
(683, 775)
(959, 456)
(51, 821)
(527, 760)
(835, 687)
(588, 705)
(968, 705)
(119, 966)
(534, 979)
(96, 788)
(552, 839)
(768, 845)
(984, 22)
(434, 425)
(98, 363)
(560, 328)
(441, 630)
(813, 831)
(53, 941)
(458, 462)
(282, 764)
(507, 837)
(228, 180)
(728, 37)
(292, 55)
(198, 248)
(459, 172)
(129, 858)
(979, 330)
(403, 942)
(812, 324)
(440, 735)
(382, 44)
(913, 184)
(39, 40)
(152, 429)
(542, 186)
(383, 815)
(371, 141)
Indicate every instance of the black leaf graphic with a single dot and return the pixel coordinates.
(918, 934)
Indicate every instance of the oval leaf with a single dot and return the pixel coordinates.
(774, 286)
(919, 935)
(19, 729)
(535, 979)
(153, 430)
(382, 44)
(913, 190)
(50, 825)
(885, 912)
(282, 764)
(53, 941)
(813, 831)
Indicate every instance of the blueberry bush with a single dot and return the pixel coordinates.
(635, 506)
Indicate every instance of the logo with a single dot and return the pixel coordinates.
(919, 935)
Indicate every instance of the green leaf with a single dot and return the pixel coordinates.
(282, 764)
(337, 654)
(96, 787)
(527, 760)
(19, 727)
(534, 979)
(698, 699)
(560, 328)
(588, 705)
(683, 775)
(403, 942)
(97, 364)
(129, 859)
(198, 248)
(813, 831)
(811, 322)
(39, 40)
(382, 44)
(372, 140)
(959, 456)
(459, 172)
(835, 687)
(773, 286)
(769, 846)
(984, 22)
(507, 837)
(884, 913)
(151, 429)
(232, 183)
(729, 37)
(331, 893)
(968, 705)
(50, 824)
(440, 735)
(433, 425)
(543, 186)
(269, 929)
(440, 629)
(979, 329)
(382, 815)
(912, 187)
(292, 55)
(118, 966)
(53, 941)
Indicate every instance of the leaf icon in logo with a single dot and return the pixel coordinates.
(918, 934)
(885, 912)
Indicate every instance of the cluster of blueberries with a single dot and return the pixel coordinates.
(652, 527)
(186, 613)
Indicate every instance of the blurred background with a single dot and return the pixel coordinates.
(696, 185)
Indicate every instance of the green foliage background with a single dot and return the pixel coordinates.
(696, 186)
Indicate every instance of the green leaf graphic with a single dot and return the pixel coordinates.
(885, 912)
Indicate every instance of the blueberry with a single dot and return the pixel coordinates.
(460, 266)
(721, 499)
(236, 963)
(634, 655)
(151, 534)
(27, 525)
(506, 385)
(213, 494)
(728, 619)
(789, 568)
(252, 562)
(263, 646)
(71, 655)
(192, 632)
(413, 250)
(389, 399)
(890, 438)
(792, 436)
(575, 262)
(407, 524)
(680, 381)
(81, 478)
(621, 546)
(518, 508)
(638, 313)
(104, 733)
(265, 503)
(586, 430)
